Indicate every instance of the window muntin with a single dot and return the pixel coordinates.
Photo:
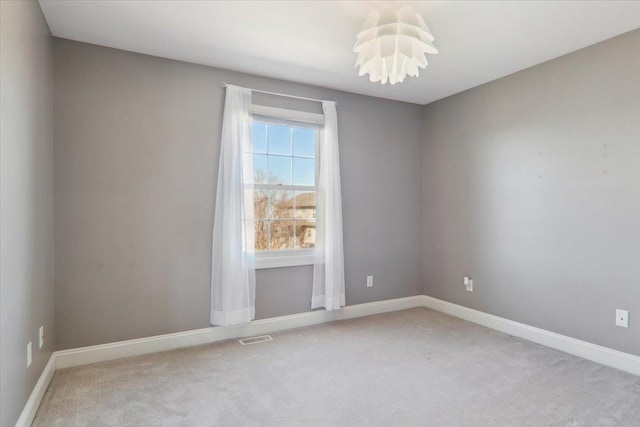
(285, 170)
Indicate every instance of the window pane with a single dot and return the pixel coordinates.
(261, 204)
(279, 139)
(281, 204)
(279, 170)
(281, 235)
(262, 235)
(260, 173)
(305, 234)
(304, 142)
(304, 171)
(282, 155)
(259, 137)
(305, 204)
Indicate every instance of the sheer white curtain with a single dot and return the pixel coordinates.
(233, 275)
(328, 271)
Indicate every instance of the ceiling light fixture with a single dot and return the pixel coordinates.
(393, 44)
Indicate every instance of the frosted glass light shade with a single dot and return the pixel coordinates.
(393, 44)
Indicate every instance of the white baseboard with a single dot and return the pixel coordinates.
(596, 353)
(32, 405)
(135, 347)
(100, 353)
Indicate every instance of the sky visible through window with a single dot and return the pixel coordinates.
(283, 154)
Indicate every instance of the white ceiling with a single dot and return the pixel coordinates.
(311, 41)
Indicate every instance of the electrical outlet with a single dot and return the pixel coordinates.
(41, 337)
(622, 318)
(29, 354)
(468, 283)
(369, 281)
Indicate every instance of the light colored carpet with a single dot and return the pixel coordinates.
(410, 368)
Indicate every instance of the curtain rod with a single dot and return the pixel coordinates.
(279, 94)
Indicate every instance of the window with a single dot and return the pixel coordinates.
(284, 158)
(287, 148)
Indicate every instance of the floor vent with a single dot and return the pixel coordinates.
(255, 340)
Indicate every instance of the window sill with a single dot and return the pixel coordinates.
(277, 259)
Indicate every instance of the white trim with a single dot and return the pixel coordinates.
(103, 352)
(304, 98)
(284, 114)
(596, 353)
(99, 353)
(33, 403)
(292, 258)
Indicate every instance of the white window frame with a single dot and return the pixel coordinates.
(292, 257)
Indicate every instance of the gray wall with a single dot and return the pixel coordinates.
(531, 185)
(136, 160)
(26, 205)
